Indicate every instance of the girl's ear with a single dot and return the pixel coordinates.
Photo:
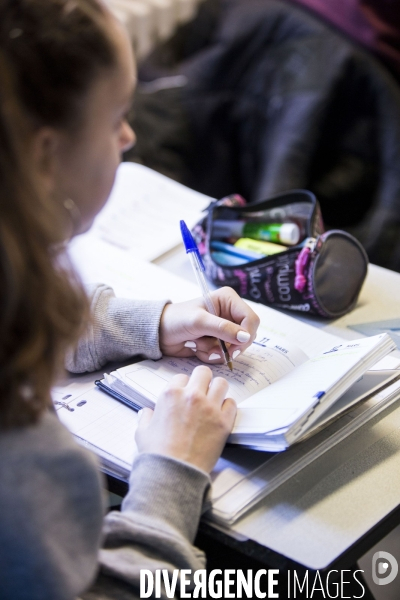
(45, 157)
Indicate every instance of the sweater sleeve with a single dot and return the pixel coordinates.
(119, 329)
(155, 528)
(51, 513)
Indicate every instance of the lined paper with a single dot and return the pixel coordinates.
(266, 361)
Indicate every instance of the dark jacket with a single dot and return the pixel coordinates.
(275, 99)
(375, 24)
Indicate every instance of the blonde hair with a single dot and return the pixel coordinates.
(50, 53)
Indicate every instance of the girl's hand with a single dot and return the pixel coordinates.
(191, 421)
(187, 327)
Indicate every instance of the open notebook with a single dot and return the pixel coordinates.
(280, 392)
(242, 476)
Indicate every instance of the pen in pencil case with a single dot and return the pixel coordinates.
(198, 267)
(245, 255)
(284, 233)
(229, 260)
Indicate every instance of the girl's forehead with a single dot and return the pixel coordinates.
(114, 87)
(122, 42)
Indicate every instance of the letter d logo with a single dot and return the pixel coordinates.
(384, 568)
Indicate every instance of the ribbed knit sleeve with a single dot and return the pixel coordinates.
(155, 528)
(119, 329)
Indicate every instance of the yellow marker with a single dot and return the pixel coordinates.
(260, 247)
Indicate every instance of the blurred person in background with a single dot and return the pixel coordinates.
(258, 97)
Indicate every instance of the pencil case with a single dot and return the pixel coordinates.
(322, 274)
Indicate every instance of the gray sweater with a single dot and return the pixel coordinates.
(54, 542)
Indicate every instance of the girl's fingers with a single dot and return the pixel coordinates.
(229, 408)
(200, 380)
(144, 417)
(218, 390)
(217, 327)
(233, 308)
(211, 352)
(205, 344)
(179, 380)
(236, 351)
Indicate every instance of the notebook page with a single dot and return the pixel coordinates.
(109, 427)
(311, 340)
(99, 420)
(143, 212)
(266, 361)
(282, 404)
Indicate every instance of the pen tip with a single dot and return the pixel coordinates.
(230, 365)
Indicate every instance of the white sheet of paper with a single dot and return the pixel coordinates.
(144, 209)
(311, 340)
(99, 420)
(297, 392)
(96, 261)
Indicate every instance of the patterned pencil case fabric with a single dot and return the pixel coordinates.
(322, 274)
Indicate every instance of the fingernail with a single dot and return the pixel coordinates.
(235, 354)
(194, 350)
(190, 345)
(214, 356)
(139, 415)
(243, 336)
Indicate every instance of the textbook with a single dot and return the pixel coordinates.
(280, 392)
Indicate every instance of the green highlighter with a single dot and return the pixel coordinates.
(284, 233)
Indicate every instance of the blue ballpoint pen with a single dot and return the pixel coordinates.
(198, 267)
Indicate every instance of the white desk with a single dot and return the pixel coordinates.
(317, 516)
(329, 506)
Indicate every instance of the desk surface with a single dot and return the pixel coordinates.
(329, 506)
(318, 515)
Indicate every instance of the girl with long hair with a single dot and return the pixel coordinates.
(66, 81)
